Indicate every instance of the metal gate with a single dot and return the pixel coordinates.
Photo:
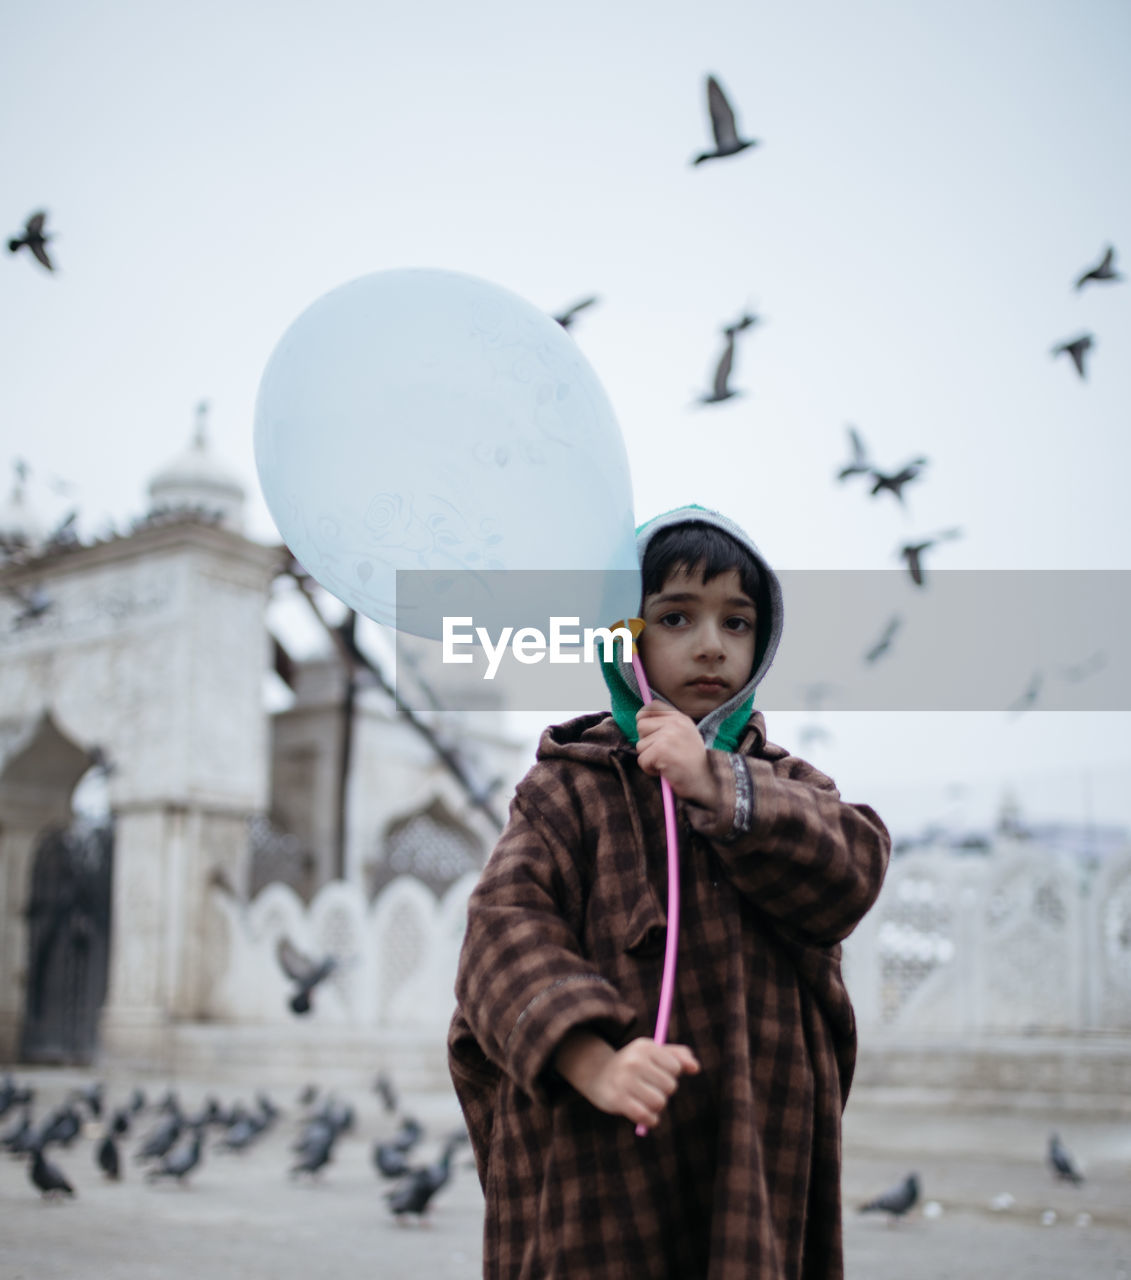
(68, 945)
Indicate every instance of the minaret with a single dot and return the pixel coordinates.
(195, 481)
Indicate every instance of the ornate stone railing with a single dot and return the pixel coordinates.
(1020, 941)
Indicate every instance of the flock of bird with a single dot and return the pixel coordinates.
(728, 141)
(173, 1142)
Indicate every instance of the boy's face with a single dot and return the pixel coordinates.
(698, 644)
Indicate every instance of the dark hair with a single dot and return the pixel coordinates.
(695, 545)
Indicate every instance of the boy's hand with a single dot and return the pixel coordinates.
(635, 1082)
(670, 747)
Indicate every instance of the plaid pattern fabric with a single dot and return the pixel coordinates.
(741, 1179)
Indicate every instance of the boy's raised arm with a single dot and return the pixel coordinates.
(790, 844)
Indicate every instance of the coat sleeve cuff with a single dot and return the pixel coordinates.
(572, 1001)
(733, 814)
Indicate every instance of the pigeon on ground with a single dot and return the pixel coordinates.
(415, 1194)
(1103, 270)
(912, 552)
(316, 1151)
(162, 1138)
(20, 1137)
(181, 1161)
(567, 317)
(48, 1177)
(408, 1135)
(390, 1160)
(894, 482)
(859, 464)
(303, 971)
(1062, 1163)
(62, 1126)
(896, 1200)
(12, 1095)
(1078, 348)
(91, 1097)
(723, 126)
(240, 1134)
(883, 644)
(108, 1159)
(34, 238)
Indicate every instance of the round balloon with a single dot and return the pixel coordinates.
(428, 420)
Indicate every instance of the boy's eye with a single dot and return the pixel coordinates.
(672, 619)
(739, 624)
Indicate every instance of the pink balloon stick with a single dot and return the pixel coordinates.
(667, 986)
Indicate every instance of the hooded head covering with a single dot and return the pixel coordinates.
(723, 726)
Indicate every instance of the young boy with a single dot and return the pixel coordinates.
(738, 1177)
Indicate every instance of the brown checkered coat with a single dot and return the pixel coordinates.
(741, 1179)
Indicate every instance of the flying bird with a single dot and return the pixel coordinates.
(1029, 697)
(303, 971)
(746, 321)
(1061, 1163)
(859, 464)
(384, 1086)
(34, 239)
(897, 479)
(1103, 270)
(567, 317)
(721, 390)
(912, 552)
(896, 1200)
(723, 126)
(883, 644)
(1078, 348)
(1078, 671)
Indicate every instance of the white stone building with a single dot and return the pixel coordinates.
(143, 657)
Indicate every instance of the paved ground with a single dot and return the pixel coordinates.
(242, 1216)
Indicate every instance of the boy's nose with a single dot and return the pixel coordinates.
(710, 642)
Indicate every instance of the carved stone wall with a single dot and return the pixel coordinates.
(1021, 941)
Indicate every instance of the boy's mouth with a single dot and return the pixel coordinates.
(707, 683)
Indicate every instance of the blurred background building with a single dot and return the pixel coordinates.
(181, 789)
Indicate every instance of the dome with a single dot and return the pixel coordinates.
(21, 526)
(197, 481)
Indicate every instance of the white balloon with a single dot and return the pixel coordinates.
(428, 420)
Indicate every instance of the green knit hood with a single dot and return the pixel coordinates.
(721, 728)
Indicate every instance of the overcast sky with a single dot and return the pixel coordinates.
(930, 180)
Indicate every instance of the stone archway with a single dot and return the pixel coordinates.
(40, 765)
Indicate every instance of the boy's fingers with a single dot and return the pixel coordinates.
(688, 1062)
